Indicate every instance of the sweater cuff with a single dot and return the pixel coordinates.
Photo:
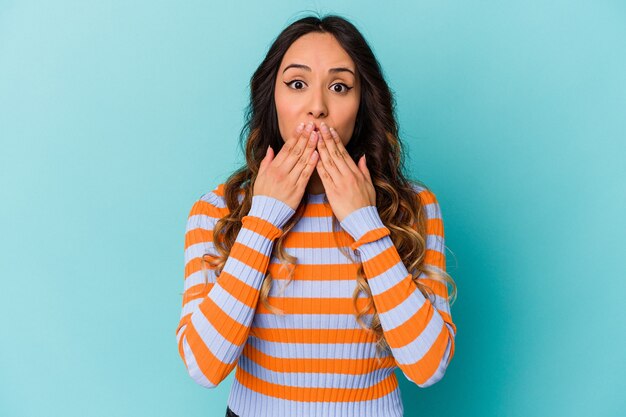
(271, 210)
(361, 221)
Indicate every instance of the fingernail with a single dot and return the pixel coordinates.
(309, 126)
(313, 137)
(333, 132)
(300, 127)
(324, 127)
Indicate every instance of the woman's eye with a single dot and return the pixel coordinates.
(339, 90)
(297, 83)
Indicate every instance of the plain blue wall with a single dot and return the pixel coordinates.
(116, 116)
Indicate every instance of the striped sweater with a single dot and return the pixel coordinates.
(315, 360)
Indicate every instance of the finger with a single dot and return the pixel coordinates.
(290, 144)
(304, 159)
(365, 170)
(327, 179)
(326, 160)
(305, 175)
(336, 150)
(294, 153)
(269, 154)
(342, 149)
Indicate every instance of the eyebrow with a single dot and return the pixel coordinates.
(332, 70)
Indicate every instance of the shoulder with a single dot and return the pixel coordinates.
(428, 200)
(425, 194)
(434, 224)
(213, 202)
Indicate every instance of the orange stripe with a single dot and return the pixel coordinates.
(198, 235)
(427, 197)
(314, 336)
(435, 258)
(197, 291)
(229, 328)
(316, 272)
(381, 262)
(212, 368)
(208, 209)
(238, 289)
(194, 265)
(292, 305)
(371, 236)
(395, 295)
(261, 226)
(434, 226)
(323, 365)
(250, 257)
(410, 330)
(438, 287)
(426, 367)
(184, 320)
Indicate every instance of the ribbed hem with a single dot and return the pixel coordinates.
(271, 209)
(361, 221)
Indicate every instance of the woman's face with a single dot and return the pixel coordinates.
(317, 82)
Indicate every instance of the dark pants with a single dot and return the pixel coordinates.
(230, 413)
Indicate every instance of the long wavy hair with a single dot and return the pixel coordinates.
(375, 135)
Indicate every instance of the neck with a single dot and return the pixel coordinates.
(315, 185)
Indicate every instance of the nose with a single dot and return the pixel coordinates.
(318, 107)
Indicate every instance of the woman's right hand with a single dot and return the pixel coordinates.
(286, 176)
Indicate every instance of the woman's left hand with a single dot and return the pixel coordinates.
(348, 186)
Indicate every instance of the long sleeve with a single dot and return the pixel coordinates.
(216, 318)
(420, 334)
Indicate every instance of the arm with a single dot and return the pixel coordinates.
(216, 319)
(419, 333)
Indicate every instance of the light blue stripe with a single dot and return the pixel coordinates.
(414, 351)
(213, 340)
(245, 402)
(309, 321)
(315, 350)
(314, 289)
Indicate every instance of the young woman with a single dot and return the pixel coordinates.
(317, 269)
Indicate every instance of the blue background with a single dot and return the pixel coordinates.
(116, 116)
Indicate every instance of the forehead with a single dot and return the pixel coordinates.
(319, 50)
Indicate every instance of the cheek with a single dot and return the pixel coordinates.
(282, 114)
(348, 121)
(287, 114)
